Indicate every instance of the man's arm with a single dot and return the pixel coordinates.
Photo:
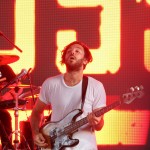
(35, 123)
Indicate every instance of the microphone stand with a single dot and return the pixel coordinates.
(16, 114)
(31, 87)
(11, 42)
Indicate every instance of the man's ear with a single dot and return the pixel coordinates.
(85, 61)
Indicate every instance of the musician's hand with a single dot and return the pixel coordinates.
(95, 122)
(39, 140)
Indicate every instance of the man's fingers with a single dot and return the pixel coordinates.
(40, 140)
(92, 119)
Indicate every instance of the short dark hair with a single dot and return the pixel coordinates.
(87, 52)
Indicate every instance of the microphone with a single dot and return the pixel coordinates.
(29, 71)
(19, 76)
(14, 80)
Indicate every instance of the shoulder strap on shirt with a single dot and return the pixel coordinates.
(84, 87)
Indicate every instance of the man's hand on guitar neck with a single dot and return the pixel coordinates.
(96, 122)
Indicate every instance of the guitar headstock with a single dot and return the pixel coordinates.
(135, 92)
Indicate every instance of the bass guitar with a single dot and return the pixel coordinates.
(58, 134)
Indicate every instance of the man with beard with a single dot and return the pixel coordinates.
(64, 93)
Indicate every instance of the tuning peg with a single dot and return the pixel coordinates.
(132, 89)
(137, 88)
(141, 87)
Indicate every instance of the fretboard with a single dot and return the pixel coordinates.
(75, 125)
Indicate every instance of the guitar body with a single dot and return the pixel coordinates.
(55, 133)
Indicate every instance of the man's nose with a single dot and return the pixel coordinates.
(72, 52)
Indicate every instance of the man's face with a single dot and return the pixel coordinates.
(74, 58)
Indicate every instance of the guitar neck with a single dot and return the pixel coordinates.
(75, 125)
(107, 108)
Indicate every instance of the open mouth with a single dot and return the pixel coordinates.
(72, 58)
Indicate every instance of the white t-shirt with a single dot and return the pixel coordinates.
(64, 99)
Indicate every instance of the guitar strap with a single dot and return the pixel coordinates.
(84, 87)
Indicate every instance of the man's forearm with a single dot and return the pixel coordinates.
(35, 122)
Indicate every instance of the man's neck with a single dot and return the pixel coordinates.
(73, 77)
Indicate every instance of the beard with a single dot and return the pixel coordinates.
(76, 66)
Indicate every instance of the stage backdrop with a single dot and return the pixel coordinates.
(118, 35)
